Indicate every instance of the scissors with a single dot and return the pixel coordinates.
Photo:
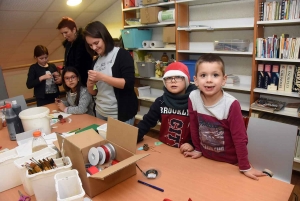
(23, 197)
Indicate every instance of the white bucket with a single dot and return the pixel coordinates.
(34, 118)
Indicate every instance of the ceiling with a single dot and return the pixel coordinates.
(27, 23)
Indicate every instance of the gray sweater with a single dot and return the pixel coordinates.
(85, 105)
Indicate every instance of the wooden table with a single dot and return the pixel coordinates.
(181, 178)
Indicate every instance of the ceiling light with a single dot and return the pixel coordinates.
(73, 2)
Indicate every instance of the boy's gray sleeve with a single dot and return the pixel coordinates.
(84, 101)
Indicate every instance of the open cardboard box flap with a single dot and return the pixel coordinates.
(119, 166)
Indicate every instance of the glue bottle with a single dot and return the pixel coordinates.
(12, 122)
(38, 142)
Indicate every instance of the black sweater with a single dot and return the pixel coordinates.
(77, 56)
(35, 71)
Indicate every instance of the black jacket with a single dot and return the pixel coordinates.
(35, 71)
(77, 56)
(126, 98)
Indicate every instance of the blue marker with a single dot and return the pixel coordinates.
(157, 188)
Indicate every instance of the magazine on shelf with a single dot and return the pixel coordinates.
(267, 105)
(292, 107)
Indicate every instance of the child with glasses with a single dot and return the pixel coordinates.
(79, 100)
(43, 77)
(171, 109)
(217, 127)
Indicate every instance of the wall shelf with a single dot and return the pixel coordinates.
(215, 52)
(151, 5)
(161, 24)
(278, 93)
(278, 60)
(279, 22)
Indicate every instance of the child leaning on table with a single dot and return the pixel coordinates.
(79, 100)
(171, 109)
(217, 127)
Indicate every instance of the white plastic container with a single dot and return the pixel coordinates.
(44, 153)
(9, 172)
(68, 186)
(102, 130)
(43, 183)
(36, 117)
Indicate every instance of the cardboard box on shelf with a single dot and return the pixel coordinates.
(169, 35)
(146, 2)
(150, 14)
(123, 137)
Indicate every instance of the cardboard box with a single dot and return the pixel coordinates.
(145, 2)
(150, 14)
(169, 35)
(123, 137)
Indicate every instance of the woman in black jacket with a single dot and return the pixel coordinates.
(76, 54)
(43, 77)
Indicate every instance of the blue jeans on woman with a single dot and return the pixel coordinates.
(129, 121)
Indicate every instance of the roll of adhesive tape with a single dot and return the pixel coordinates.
(146, 44)
(102, 153)
(156, 44)
(93, 156)
(166, 15)
(112, 150)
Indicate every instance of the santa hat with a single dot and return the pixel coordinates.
(177, 69)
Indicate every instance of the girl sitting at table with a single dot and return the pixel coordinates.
(78, 99)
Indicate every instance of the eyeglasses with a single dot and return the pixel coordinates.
(70, 78)
(175, 78)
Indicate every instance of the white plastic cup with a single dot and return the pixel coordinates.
(36, 117)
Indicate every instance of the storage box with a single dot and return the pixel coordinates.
(68, 186)
(133, 38)
(146, 69)
(234, 45)
(43, 153)
(9, 172)
(146, 2)
(43, 183)
(150, 14)
(123, 137)
(191, 64)
(169, 35)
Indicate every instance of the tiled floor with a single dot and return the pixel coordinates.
(295, 176)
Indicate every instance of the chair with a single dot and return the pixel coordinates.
(271, 145)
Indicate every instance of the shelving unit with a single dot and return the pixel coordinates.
(264, 29)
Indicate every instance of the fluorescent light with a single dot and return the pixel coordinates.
(73, 2)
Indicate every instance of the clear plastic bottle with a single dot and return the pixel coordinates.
(50, 80)
(38, 142)
(17, 109)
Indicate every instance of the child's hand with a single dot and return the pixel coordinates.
(45, 77)
(186, 147)
(254, 173)
(193, 154)
(61, 106)
(57, 78)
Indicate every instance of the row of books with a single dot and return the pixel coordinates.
(271, 105)
(284, 76)
(283, 47)
(284, 10)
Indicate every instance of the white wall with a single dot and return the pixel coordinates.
(112, 19)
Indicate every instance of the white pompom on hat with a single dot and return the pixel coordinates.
(178, 69)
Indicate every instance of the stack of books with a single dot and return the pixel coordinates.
(267, 105)
(292, 107)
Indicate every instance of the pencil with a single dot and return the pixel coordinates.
(74, 130)
(151, 186)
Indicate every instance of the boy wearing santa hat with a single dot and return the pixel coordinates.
(171, 109)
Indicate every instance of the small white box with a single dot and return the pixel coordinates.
(144, 91)
(43, 183)
(43, 153)
(8, 171)
(68, 186)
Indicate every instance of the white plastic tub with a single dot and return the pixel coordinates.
(43, 183)
(43, 153)
(9, 172)
(36, 117)
(68, 186)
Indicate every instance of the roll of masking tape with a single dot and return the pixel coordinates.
(146, 44)
(93, 156)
